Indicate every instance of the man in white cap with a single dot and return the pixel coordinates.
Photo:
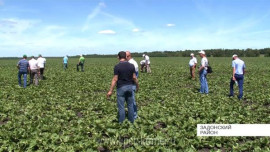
(203, 73)
(237, 75)
(192, 65)
(147, 63)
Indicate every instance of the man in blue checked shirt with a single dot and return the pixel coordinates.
(23, 66)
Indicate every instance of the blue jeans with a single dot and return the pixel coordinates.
(240, 79)
(134, 103)
(125, 93)
(24, 78)
(203, 80)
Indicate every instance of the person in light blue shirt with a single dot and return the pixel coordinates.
(238, 66)
(65, 62)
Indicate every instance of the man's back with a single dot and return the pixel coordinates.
(33, 64)
(23, 65)
(41, 62)
(239, 66)
(65, 60)
(125, 71)
(82, 59)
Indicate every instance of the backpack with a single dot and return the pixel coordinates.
(209, 69)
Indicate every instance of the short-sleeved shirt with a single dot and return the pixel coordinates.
(204, 62)
(132, 61)
(23, 65)
(239, 66)
(82, 59)
(142, 62)
(192, 62)
(41, 62)
(65, 59)
(147, 59)
(125, 71)
(33, 64)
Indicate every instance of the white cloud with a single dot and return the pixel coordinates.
(170, 25)
(135, 30)
(107, 32)
(92, 15)
(15, 26)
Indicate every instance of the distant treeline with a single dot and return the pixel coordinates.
(209, 52)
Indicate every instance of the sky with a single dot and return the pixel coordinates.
(73, 27)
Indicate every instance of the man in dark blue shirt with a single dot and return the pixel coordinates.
(23, 66)
(124, 77)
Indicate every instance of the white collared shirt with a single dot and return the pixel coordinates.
(33, 64)
(192, 62)
(41, 62)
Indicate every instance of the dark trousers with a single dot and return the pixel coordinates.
(41, 73)
(80, 64)
(240, 79)
(65, 66)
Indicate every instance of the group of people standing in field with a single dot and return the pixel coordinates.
(126, 74)
(34, 67)
(238, 71)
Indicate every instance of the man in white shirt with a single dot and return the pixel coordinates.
(34, 70)
(142, 63)
(147, 63)
(192, 65)
(237, 75)
(132, 61)
(41, 65)
(203, 73)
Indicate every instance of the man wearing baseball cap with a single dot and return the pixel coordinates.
(237, 75)
(203, 73)
(23, 66)
(192, 66)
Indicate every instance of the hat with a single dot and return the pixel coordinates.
(191, 54)
(39, 55)
(234, 55)
(202, 52)
(81, 55)
(24, 56)
(143, 55)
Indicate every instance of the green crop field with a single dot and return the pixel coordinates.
(69, 111)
